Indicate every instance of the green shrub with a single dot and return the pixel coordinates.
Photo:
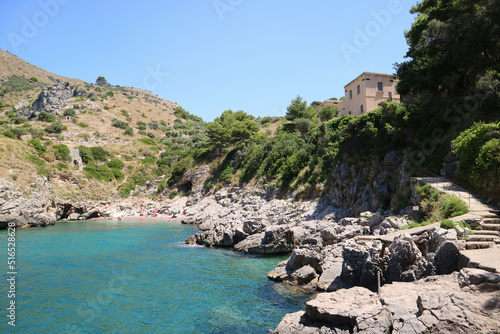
(116, 164)
(85, 154)
(147, 141)
(125, 113)
(82, 125)
(39, 164)
(125, 189)
(118, 174)
(129, 131)
(9, 134)
(99, 172)
(451, 206)
(56, 128)
(46, 117)
(35, 160)
(37, 145)
(19, 120)
(69, 112)
(173, 194)
(141, 125)
(447, 224)
(19, 132)
(99, 153)
(148, 161)
(62, 166)
(36, 132)
(227, 175)
(478, 149)
(119, 124)
(61, 152)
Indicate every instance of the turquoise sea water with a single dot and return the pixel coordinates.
(137, 277)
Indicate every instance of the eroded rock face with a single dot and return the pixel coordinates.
(36, 209)
(52, 99)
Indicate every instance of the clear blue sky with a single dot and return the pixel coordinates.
(212, 55)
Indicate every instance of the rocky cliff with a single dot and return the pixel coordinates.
(52, 99)
(35, 207)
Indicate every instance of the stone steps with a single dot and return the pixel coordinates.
(485, 232)
(491, 227)
(479, 245)
(491, 220)
(483, 237)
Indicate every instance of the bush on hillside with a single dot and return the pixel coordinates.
(129, 131)
(119, 124)
(116, 164)
(99, 172)
(61, 152)
(478, 149)
(46, 117)
(37, 145)
(99, 153)
(56, 128)
(69, 112)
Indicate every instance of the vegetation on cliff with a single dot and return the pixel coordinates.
(451, 74)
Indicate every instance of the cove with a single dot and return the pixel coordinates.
(138, 277)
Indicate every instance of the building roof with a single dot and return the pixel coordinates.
(369, 73)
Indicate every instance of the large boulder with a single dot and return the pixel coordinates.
(358, 308)
(406, 262)
(275, 240)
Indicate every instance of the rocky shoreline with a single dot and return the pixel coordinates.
(422, 288)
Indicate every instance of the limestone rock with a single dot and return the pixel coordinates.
(358, 308)
(52, 99)
(304, 275)
(36, 209)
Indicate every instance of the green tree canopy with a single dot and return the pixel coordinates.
(296, 109)
(231, 127)
(101, 81)
(453, 45)
(327, 113)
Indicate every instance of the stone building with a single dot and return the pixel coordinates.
(364, 94)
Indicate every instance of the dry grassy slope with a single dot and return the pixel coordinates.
(97, 112)
(13, 65)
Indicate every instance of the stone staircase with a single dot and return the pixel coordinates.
(489, 236)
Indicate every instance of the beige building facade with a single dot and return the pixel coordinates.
(364, 94)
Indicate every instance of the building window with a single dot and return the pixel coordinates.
(362, 109)
(349, 113)
(380, 86)
(390, 96)
(350, 94)
(359, 90)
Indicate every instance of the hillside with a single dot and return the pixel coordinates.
(87, 118)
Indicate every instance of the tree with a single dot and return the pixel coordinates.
(56, 128)
(453, 44)
(296, 109)
(327, 113)
(315, 104)
(303, 125)
(101, 81)
(231, 127)
(218, 135)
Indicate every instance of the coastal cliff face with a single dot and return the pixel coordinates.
(37, 208)
(359, 186)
